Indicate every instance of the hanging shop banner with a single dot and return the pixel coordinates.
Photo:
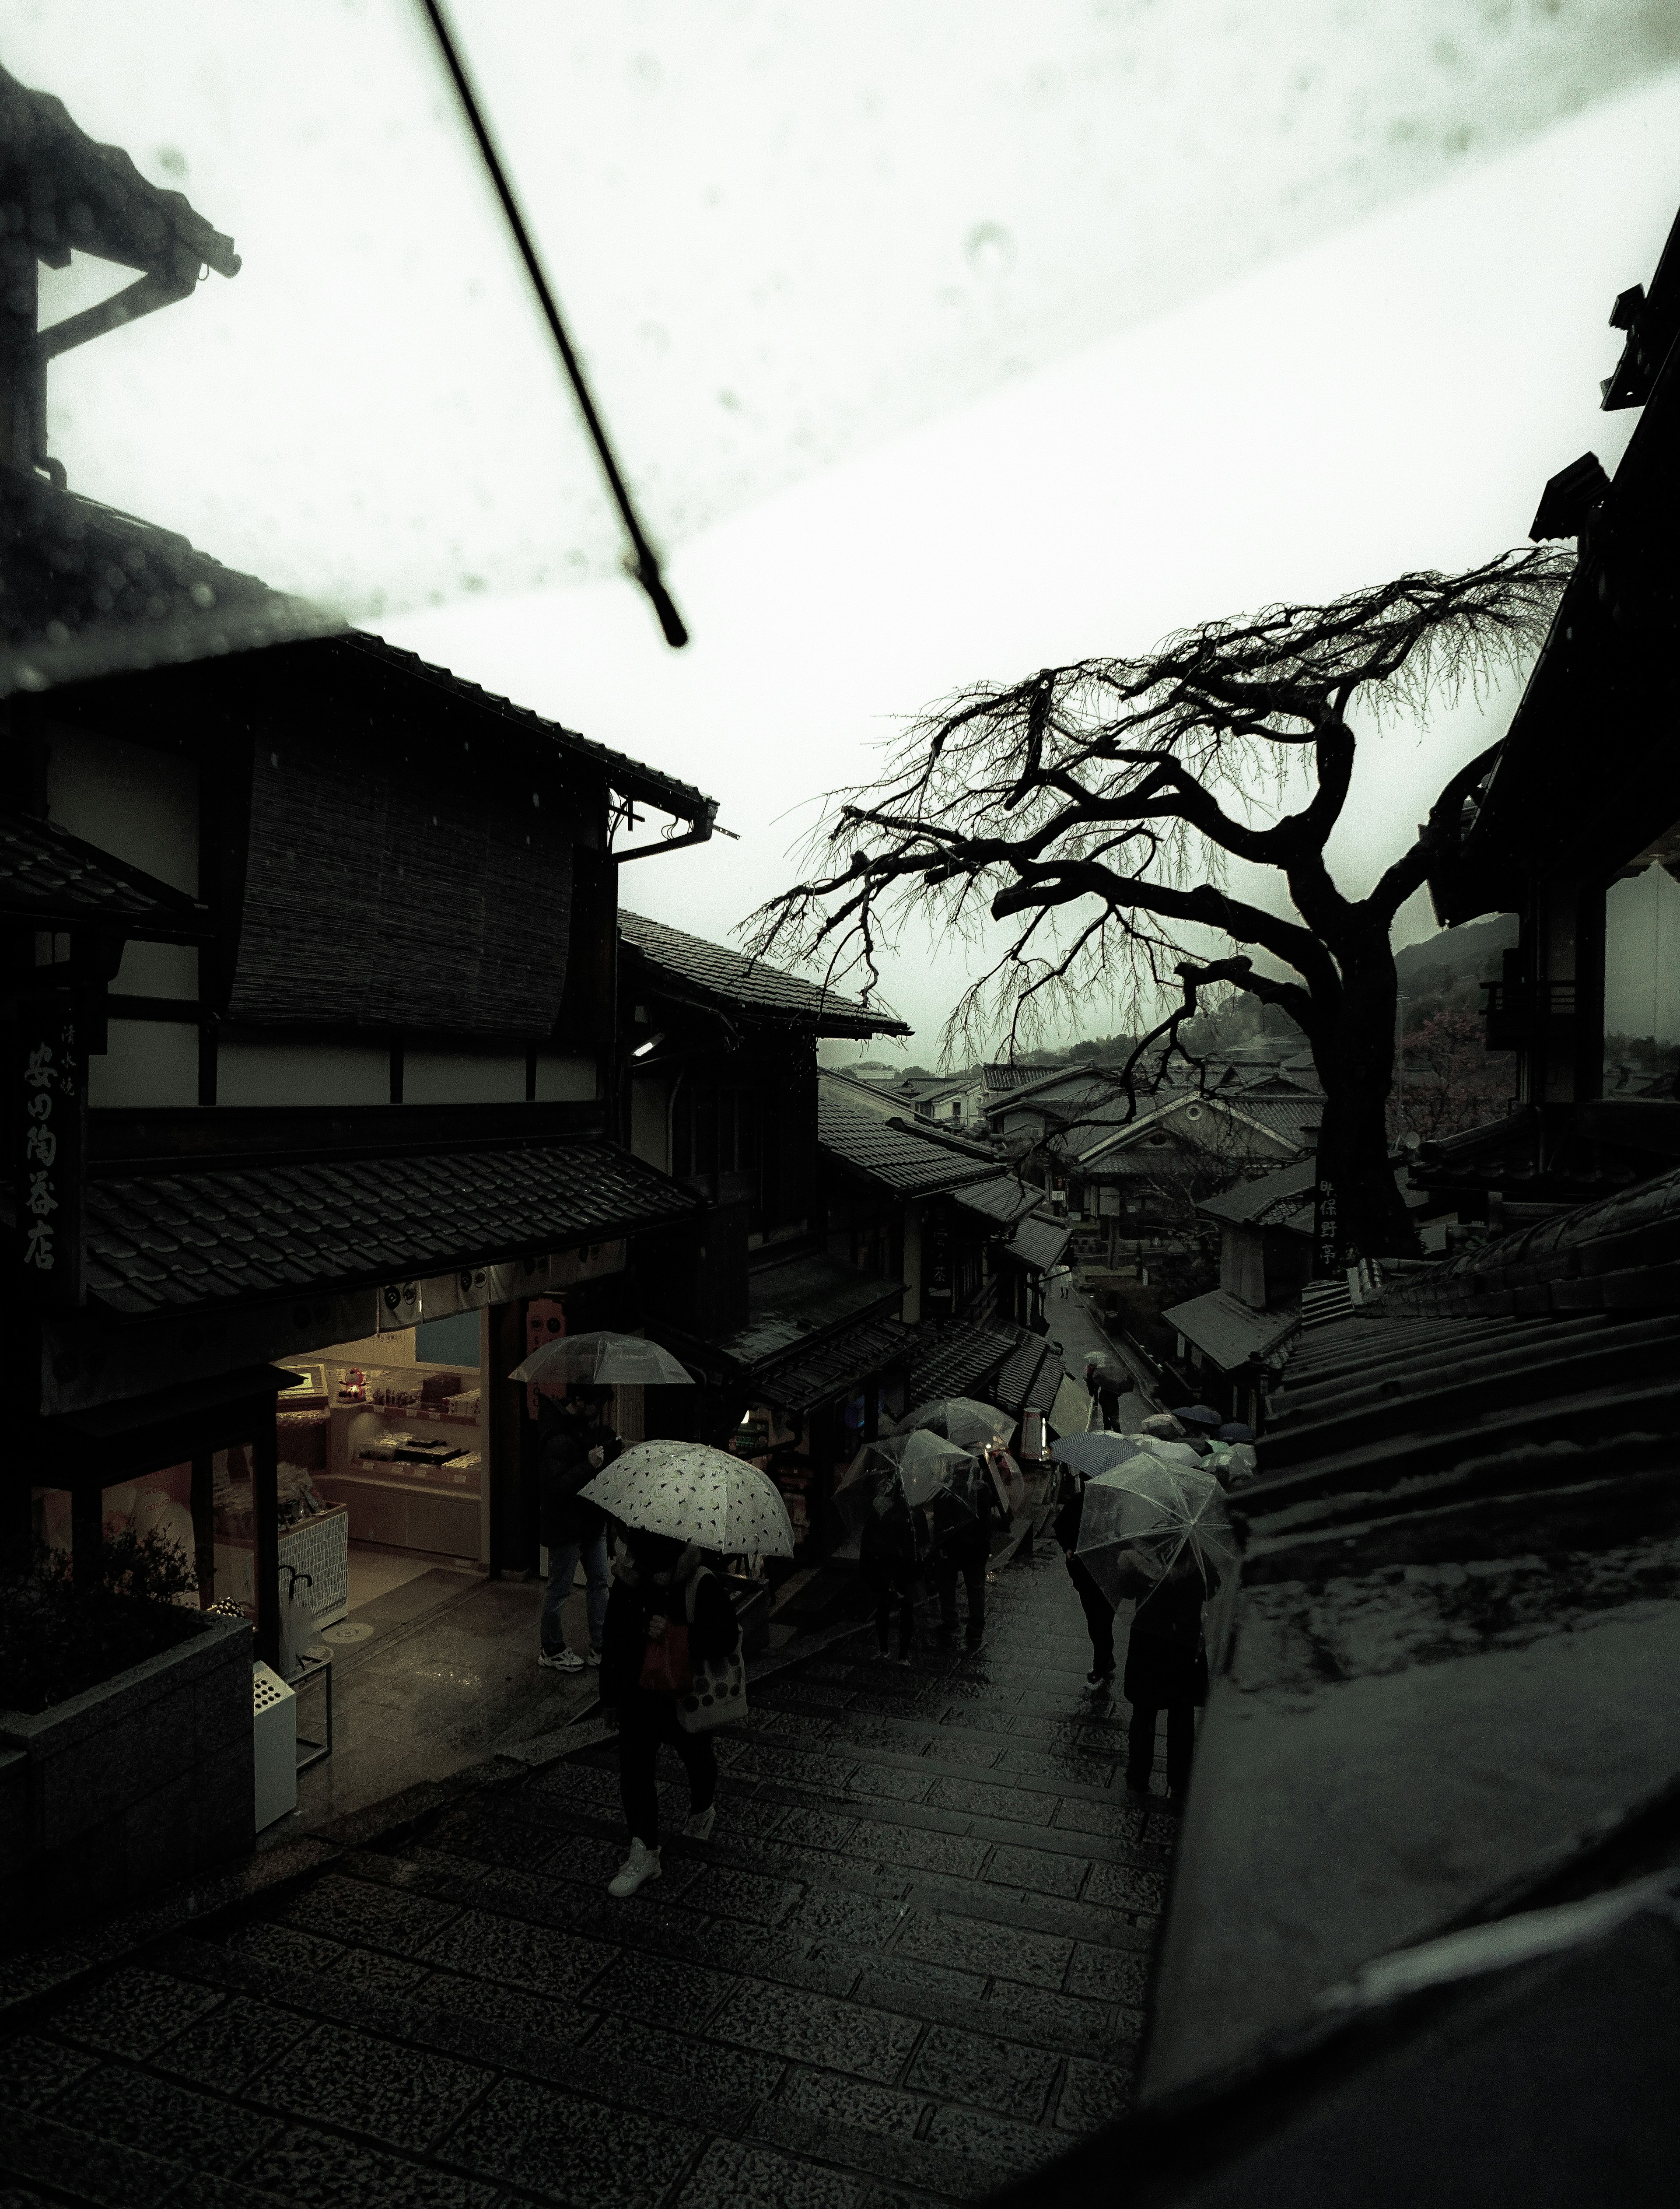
(50, 1139)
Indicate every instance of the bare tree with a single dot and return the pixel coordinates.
(1095, 807)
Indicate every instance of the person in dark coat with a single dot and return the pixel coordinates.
(1165, 1663)
(651, 1591)
(891, 1550)
(1107, 1391)
(1098, 1610)
(576, 1442)
(960, 1546)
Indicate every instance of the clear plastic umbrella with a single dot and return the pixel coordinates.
(611, 1360)
(1096, 1452)
(926, 1465)
(971, 1425)
(695, 1494)
(1147, 1515)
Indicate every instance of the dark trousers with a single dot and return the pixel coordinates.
(971, 1567)
(1141, 1745)
(644, 1720)
(890, 1588)
(1099, 1616)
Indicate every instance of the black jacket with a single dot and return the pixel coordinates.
(714, 1635)
(893, 1542)
(563, 1468)
(1070, 1512)
(966, 1533)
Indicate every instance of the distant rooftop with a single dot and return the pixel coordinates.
(730, 978)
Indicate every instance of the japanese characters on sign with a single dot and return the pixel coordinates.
(51, 1121)
(1329, 1252)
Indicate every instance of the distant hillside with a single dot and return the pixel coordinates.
(1456, 955)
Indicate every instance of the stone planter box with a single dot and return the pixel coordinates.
(135, 1785)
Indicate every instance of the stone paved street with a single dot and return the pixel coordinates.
(908, 1967)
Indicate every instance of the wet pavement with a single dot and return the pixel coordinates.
(1072, 1327)
(909, 1965)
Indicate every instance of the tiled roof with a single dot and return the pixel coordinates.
(166, 1241)
(1002, 1200)
(51, 880)
(999, 1364)
(734, 979)
(89, 591)
(802, 1299)
(629, 777)
(1227, 1330)
(996, 1078)
(813, 1376)
(910, 1165)
(1041, 1242)
(1271, 1200)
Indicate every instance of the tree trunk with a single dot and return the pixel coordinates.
(1355, 1060)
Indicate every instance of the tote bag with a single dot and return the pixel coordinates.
(718, 1694)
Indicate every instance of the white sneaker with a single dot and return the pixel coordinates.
(566, 1660)
(641, 1865)
(592, 1656)
(699, 1824)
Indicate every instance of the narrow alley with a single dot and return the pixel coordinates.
(909, 1967)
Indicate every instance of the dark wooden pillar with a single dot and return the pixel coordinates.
(87, 1530)
(204, 1529)
(265, 1514)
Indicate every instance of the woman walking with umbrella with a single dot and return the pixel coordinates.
(670, 1651)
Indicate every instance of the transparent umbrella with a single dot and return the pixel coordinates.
(926, 1465)
(970, 1424)
(1148, 1515)
(609, 1359)
(1098, 1453)
(695, 1494)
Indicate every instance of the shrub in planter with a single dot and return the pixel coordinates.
(61, 1633)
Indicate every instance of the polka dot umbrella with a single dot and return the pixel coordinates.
(695, 1494)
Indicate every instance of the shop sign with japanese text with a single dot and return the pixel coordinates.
(50, 1123)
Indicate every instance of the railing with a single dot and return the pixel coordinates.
(1519, 1013)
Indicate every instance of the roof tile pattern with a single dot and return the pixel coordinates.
(803, 1300)
(812, 1376)
(731, 976)
(160, 1242)
(1229, 1331)
(47, 876)
(906, 1163)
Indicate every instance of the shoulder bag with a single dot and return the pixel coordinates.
(716, 1695)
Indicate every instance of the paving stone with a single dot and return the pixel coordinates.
(722, 1892)
(1074, 1767)
(808, 1694)
(1118, 1821)
(267, 1942)
(817, 1829)
(1037, 1871)
(731, 2173)
(782, 1759)
(134, 2109)
(812, 2028)
(742, 1815)
(685, 2055)
(560, 2022)
(373, 1973)
(658, 1988)
(868, 1921)
(918, 1988)
(400, 2096)
(82, 2168)
(1116, 1974)
(573, 2150)
(1092, 2095)
(1052, 2019)
(318, 2170)
(539, 1958)
(891, 1783)
(1125, 1887)
(222, 2049)
(132, 2011)
(478, 1832)
(572, 1783)
(918, 1849)
(851, 2102)
(33, 2070)
(973, 1751)
(355, 1911)
(990, 1800)
(801, 1725)
(973, 1945)
(993, 2075)
(1006, 2143)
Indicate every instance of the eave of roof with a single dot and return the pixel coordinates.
(1229, 1331)
(51, 880)
(729, 978)
(893, 1157)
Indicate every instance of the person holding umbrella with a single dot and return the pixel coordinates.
(891, 1552)
(576, 1443)
(670, 1654)
(962, 1528)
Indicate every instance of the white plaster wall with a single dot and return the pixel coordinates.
(302, 1074)
(565, 1082)
(140, 806)
(147, 1062)
(439, 1077)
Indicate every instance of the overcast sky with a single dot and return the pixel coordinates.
(1392, 397)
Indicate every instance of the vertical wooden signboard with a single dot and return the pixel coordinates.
(50, 1120)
